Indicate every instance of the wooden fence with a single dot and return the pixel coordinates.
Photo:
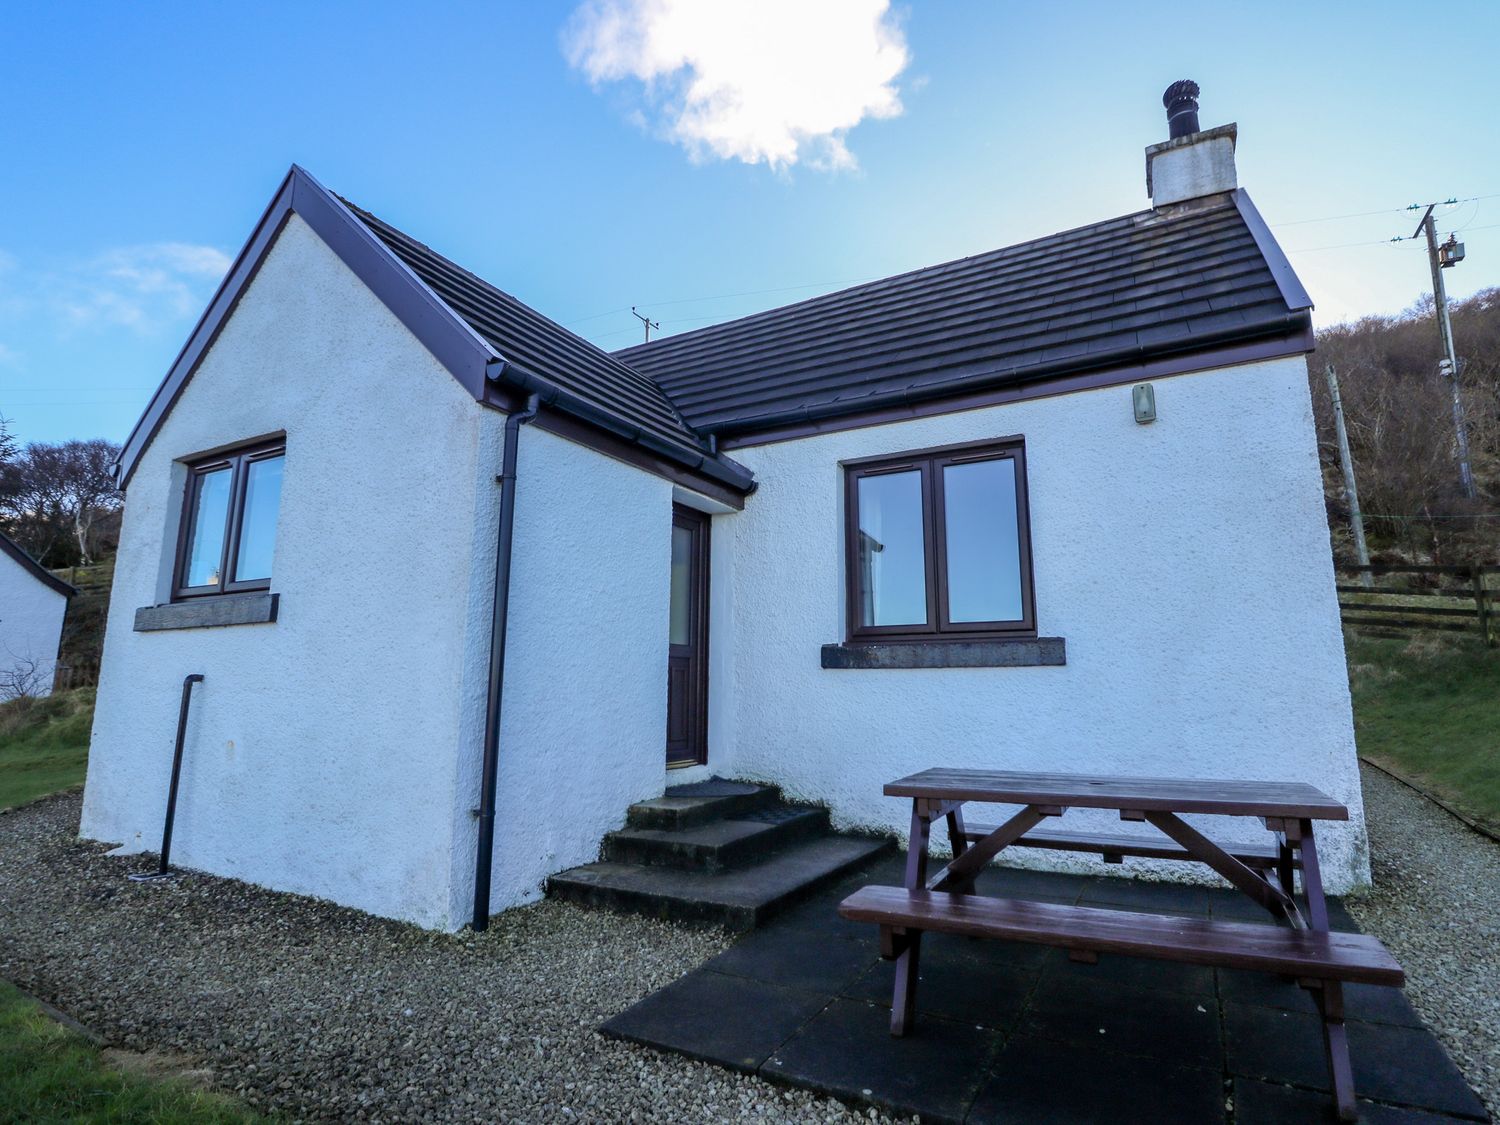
(66, 676)
(1390, 599)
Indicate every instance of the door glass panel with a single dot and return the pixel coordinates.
(892, 550)
(258, 524)
(682, 561)
(984, 554)
(209, 514)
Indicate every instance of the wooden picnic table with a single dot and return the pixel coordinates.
(1302, 947)
(1287, 809)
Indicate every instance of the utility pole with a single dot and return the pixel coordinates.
(1351, 491)
(1452, 254)
(647, 321)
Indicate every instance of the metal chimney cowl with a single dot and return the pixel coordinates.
(1181, 100)
(1193, 162)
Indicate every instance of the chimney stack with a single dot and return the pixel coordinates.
(1192, 162)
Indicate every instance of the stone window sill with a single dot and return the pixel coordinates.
(207, 613)
(1018, 652)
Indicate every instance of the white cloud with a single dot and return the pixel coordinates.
(141, 287)
(146, 289)
(773, 81)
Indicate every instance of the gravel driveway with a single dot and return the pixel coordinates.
(318, 1012)
(1437, 906)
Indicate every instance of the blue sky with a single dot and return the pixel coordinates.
(142, 141)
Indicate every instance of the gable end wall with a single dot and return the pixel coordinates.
(31, 621)
(322, 748)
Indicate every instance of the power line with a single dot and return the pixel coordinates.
(1334, 218)
(77, 402)
(1382, 211)
(1345, 245)
(1379, 241)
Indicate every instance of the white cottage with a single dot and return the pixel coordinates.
(32, 603)
(1057, 506)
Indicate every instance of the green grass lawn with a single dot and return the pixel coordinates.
(1430, 712)
(44, 744)
(51, 1074)
(48, 1073)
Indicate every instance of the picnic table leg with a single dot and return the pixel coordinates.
(1312, 878)
(904, 997)
(1330, 998)
(959, 841)
(1284, 864)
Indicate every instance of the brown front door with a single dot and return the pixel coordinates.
(687, 649)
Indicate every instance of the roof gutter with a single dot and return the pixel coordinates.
(1295, 325)
(484, 859)
(548, 392)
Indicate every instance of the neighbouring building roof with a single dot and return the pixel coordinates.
(1117, 294)
(10, 547)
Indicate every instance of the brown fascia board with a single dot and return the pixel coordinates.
(722, 471)
(470, 359)
(1292, 335)
(10, 547)
(1292, 291)
(453, 342)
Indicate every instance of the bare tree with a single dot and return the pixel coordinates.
(9, 447)
(1400, 422)
(23, 678)
(91, 489)
(52, 494)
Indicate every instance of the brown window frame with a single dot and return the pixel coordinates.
(930, 463)
(238, 460)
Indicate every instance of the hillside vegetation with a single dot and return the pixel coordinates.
(1398, 409)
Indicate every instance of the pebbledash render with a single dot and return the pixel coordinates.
(1053, 507)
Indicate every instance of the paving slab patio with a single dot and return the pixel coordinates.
(1014, 1033)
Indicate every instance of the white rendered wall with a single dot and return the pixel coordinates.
(322, 748)
(31, 620)
(1186, 563)
(583, 732)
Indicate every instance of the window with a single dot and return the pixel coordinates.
(229, 522)
(938, 544)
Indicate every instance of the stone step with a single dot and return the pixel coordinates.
(683, 806)
(737, 900)
(717, 845)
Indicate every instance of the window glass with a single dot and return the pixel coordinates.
(984, 555)
(258, 519)
(206, 553)
(682, 555)
(892, 550)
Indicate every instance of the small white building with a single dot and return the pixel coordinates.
(32, 603)
(1057, 506)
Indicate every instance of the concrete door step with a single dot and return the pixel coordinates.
(717, 844)
(683, 806)
(737, 900)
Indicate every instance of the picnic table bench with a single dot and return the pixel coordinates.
(1302, 947)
